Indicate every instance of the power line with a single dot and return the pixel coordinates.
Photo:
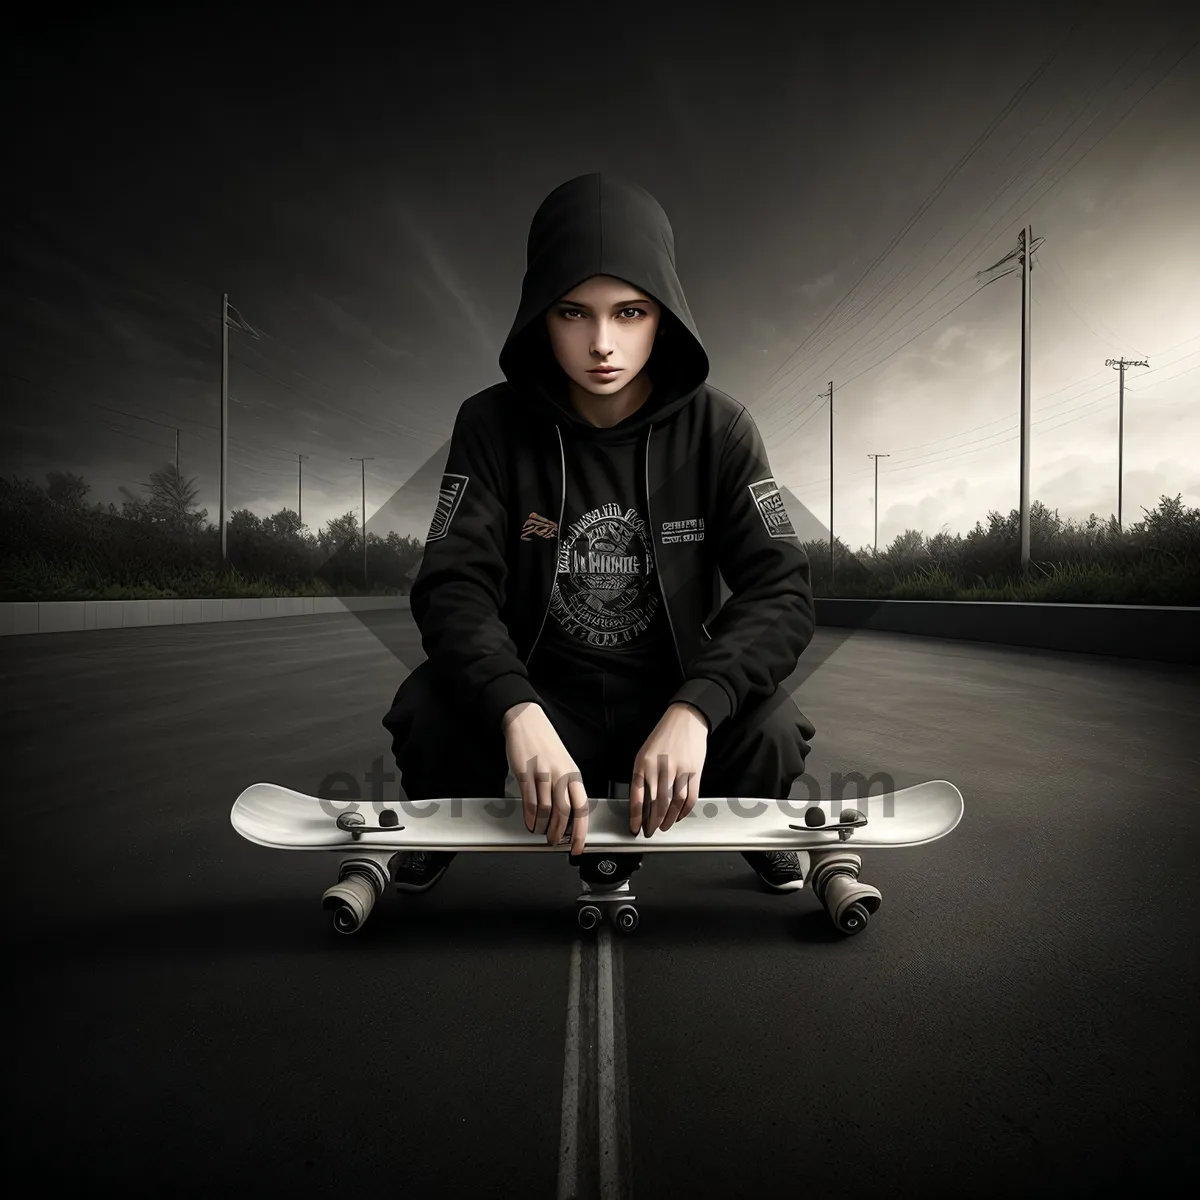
(1055, 265)
(1047, 169)
(402, 428)
(891, 287)
(1192, 46)
(998, 192)
(789, 435)
(1060, 156)
(1057, 391)
(887, 289)
(53, 237)
(996, 121)
(1080, 414)
(954, 452)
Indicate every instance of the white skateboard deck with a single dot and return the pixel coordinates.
(283, 819)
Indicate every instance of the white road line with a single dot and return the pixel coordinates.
(590, 1155)
(606, 1072)
(568, 1145)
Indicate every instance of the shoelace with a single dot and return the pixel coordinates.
(782, 859)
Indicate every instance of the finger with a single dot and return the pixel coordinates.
(662, 796)
(579, 815)
(542, 782)
(528, 798)
(693, 793)
(650, 788)
(637, 784)
(557, 820)
(679, 791)
(560, 810)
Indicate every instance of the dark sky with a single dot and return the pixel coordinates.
(363, 188)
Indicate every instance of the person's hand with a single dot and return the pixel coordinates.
(667, 770)
(551, 785)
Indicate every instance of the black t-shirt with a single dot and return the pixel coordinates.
(606, 611)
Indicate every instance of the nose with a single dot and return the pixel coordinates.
(602, 341)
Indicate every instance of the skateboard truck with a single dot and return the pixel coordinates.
(355, 824)
(596, 897)
(851, 820)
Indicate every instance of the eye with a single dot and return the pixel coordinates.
(574, 312)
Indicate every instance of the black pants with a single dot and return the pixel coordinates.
(759, 752)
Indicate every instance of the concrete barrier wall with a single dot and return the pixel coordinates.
(1154, 632)
(1150, 632)
(69, 616)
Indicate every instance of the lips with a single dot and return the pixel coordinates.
(605, 371)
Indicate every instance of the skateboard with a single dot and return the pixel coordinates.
(826, 834)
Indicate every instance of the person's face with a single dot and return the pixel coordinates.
(603, 322)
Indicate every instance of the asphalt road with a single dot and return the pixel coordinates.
(1018, 1018)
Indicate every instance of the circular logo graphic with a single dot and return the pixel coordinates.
(604, 594)
(606, 866)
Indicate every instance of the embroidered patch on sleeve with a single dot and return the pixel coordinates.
(449, 495)
(769, 501)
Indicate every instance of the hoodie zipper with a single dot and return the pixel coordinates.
(562, 507)
(662, 590)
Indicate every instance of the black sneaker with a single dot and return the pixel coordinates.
(419, 870)
(780, 870)
(607, 870)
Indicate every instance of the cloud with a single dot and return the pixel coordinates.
(814, 287)
(995, 358)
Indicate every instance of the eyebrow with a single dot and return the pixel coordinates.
(620, 304)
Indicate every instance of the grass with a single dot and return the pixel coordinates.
(53, 546)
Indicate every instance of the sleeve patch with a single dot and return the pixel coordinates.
(769, 502)
(449, 496)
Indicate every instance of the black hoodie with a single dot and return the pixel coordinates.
(553, 534)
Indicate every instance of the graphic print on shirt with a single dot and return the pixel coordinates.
(604, 594)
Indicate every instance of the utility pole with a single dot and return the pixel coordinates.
(877, 457)
(829, 396)
(1021, 258)
(299, 486)
(224, 416)
(364, 462)
(176, 453)
(1025, 242)
(1119, 364)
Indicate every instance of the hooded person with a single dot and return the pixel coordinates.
(572, 570)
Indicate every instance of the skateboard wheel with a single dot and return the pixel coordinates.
(854, 919)
(626, 918)
(344, 920)
(588, 916)
(351, 900)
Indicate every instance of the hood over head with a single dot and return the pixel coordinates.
(602, 225)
